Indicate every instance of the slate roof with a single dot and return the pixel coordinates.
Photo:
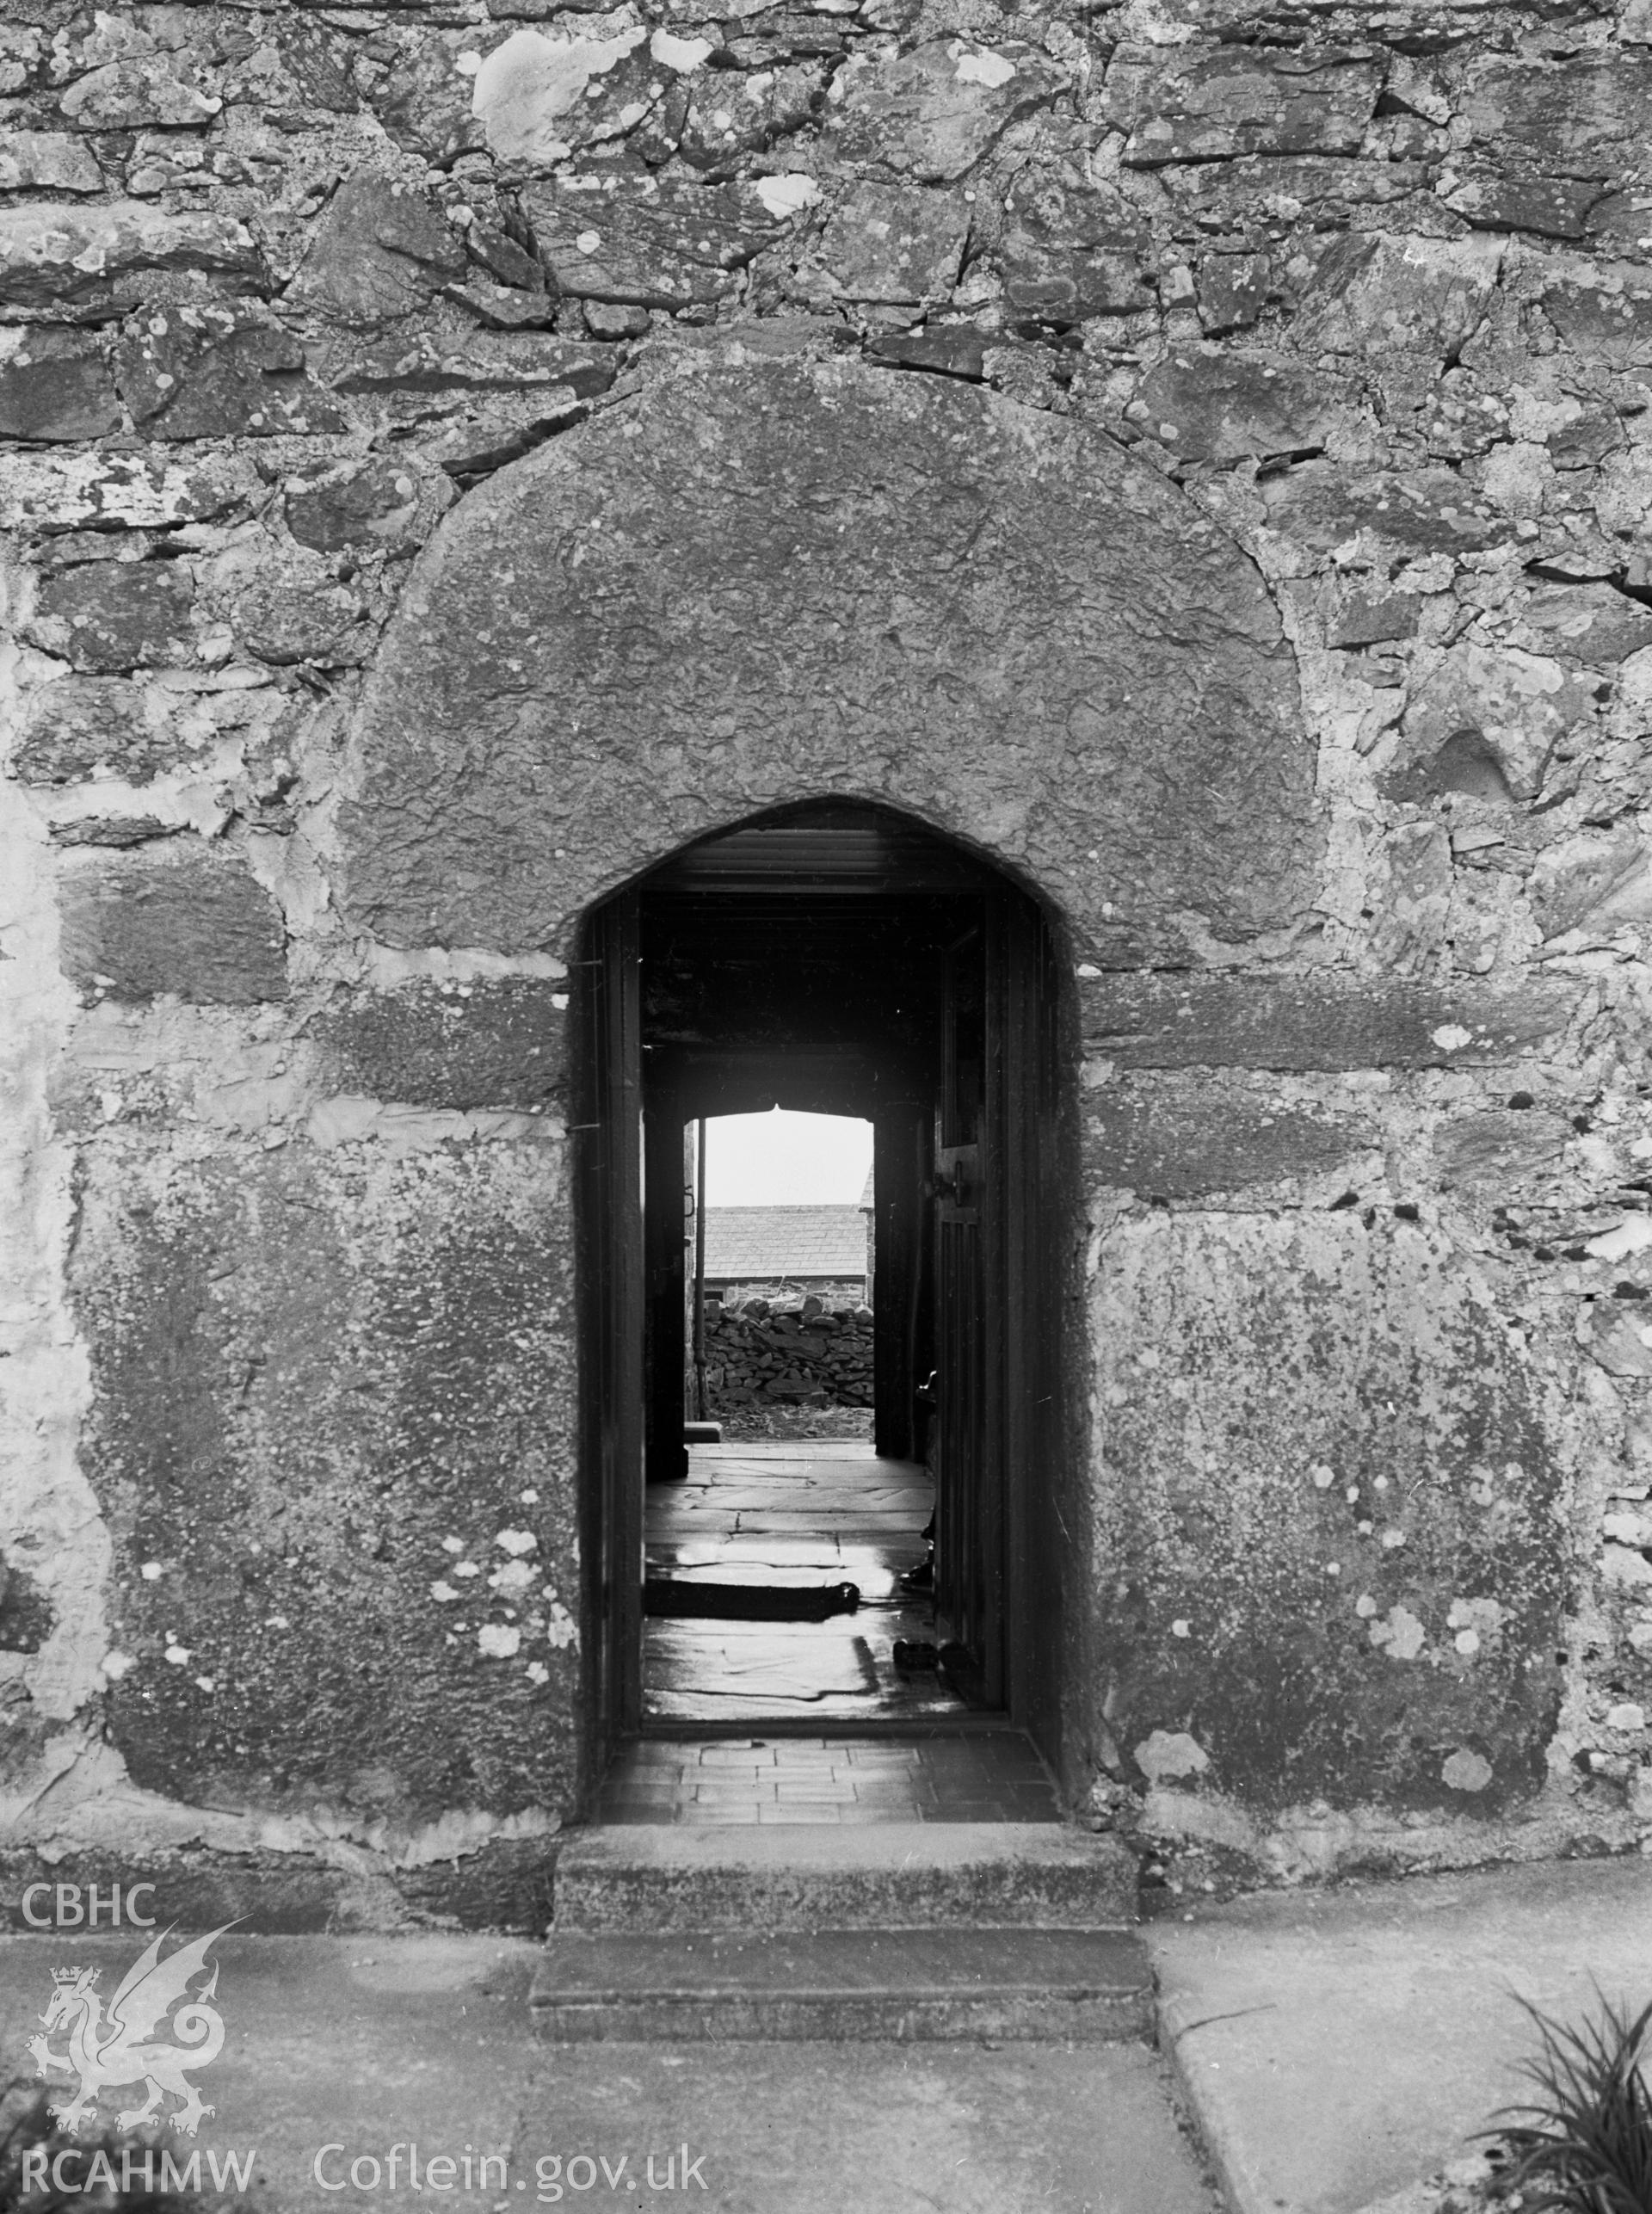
(759, 1245)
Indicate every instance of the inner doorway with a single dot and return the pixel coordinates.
(840, 960)
(787, 1574)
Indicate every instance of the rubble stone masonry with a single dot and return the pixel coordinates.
(1197, 453)
(786, 1351)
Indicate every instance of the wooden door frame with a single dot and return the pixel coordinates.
(1029, 1268)
(901, 1265)
(973, 1329)
(665, 1295)
(1022, 1184)
(680, 1084)
(608, 1247)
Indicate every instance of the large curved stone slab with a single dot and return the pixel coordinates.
(768, 582)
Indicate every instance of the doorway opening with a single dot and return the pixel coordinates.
(778, 1248)
(839, 961)
(786, 1571)
(788, 1574)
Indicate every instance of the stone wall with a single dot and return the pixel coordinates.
(1195, 452)
(786, 1351)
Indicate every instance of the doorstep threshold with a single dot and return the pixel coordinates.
(844, 1729)
(1028, 1984)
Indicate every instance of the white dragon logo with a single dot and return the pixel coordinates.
(119, 2048)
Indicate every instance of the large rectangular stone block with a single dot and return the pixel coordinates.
(1314, 1022)
(1322, 505)
(932, 114)
(1590, 117)
(110, 616)
(56, 384)
(47, 160)
(57, 256)
(533, 362)
(69, 729)
(1199, 104)
(379, 253)
(888, 242)
(1208, 405)
(332, 1424)
(646, 243)
(1320, 1463)
(1271, 195)
(190, 923)
(1185, 1148)
(493, 1044)
(1604, 312)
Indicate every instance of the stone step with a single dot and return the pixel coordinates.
(1049, 1985)
(643, 1878)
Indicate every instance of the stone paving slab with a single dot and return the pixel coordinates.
(877, 2128)
(364, 2045)
(357, 2042)
(934, 1984)
(816, 1876)
(1335, 2046)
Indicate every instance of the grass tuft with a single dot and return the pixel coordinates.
(26, 2125)
(1583, 2145)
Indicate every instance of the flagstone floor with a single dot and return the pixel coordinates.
(809, 1511)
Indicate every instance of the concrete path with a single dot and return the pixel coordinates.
(1335, 2046)
(366, 2043)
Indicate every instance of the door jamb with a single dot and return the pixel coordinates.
(609, 1259)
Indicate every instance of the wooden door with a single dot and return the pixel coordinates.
(967, 1188)
(665, 1287)
(1038, 1300)
(903, 1357)
(611, 1277)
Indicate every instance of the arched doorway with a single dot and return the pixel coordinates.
(755, 580)
(839, 957)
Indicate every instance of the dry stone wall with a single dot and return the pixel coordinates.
(1197, 451)
(788, 1352)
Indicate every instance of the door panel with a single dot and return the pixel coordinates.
(1042, 1299)
(665, 1278)
(611, 1273)
(967, 1192)
(902, 1354)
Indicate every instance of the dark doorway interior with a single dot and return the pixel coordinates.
(838, 959)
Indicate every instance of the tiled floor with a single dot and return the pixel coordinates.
(807, 1511)
(986, 1776)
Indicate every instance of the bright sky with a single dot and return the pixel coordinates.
(781, 1160)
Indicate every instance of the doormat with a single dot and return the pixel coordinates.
(749, 1602)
